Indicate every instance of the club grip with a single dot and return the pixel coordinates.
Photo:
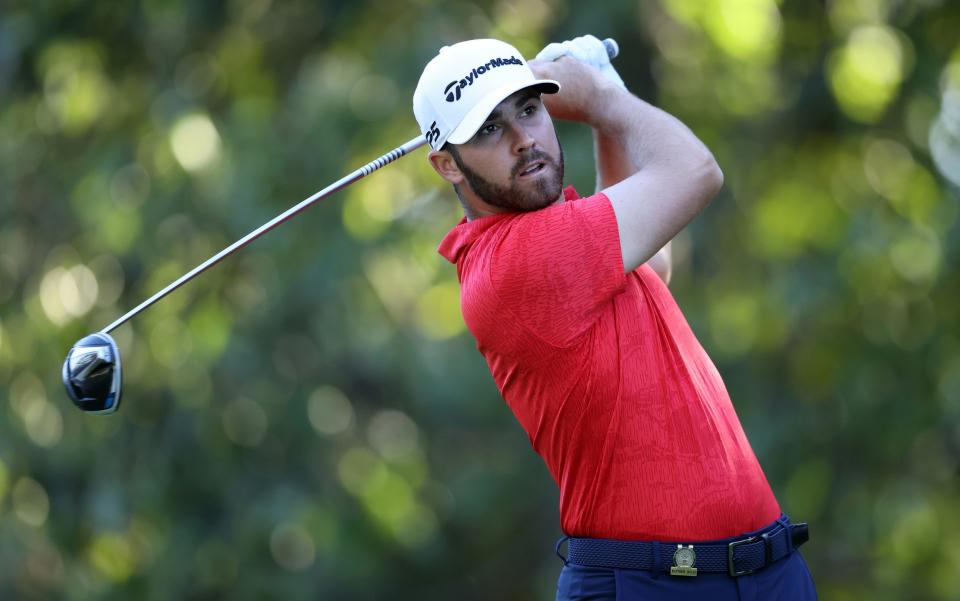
(613, 49)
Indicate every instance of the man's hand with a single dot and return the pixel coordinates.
(582, 88)
(588, 50)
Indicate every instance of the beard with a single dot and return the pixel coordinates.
(541, 191)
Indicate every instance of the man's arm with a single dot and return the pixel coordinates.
(656, 173)
(613, 166)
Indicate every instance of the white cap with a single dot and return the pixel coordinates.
(462, 85)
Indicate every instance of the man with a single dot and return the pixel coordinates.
(660, 491)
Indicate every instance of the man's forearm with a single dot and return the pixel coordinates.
(609, 155)
(630, 135)
(614, 166)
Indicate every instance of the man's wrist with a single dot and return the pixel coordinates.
(612, 113)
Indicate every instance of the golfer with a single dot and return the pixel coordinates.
(661, 496)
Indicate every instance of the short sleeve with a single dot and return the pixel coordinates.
(557, 268)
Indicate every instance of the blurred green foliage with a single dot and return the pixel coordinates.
(311, 420)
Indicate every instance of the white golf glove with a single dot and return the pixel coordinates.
(588, 50)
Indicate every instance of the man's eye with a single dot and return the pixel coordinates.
(486, 130)
(529, 110)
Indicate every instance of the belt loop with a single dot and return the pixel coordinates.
(556, 549)
(656, 559)
(784, 522)
(768, 548)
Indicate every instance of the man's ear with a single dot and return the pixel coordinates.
(443, 163)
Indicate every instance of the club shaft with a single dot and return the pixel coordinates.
(336, 186)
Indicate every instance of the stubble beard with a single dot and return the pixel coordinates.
(515, 197)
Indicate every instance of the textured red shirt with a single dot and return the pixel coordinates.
(603, 372)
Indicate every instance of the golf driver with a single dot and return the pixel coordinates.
(91, 370)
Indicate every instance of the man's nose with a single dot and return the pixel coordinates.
(523, 140)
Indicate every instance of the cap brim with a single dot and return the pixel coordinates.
(482, 109)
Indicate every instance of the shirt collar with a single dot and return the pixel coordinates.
(461, 237)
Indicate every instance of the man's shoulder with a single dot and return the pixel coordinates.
(464, 236)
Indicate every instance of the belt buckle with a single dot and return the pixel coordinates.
(730, 548)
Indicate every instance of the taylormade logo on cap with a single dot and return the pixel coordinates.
(453, 93)
(450, 105)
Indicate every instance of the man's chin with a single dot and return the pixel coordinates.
(522, 194)
(539, 192)
(535, 204)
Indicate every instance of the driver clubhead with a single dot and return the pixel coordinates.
(91, 374)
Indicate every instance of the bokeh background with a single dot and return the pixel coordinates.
(310, 420)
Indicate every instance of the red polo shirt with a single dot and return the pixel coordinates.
(603, 372)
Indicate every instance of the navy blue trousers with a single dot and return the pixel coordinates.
(785, 580)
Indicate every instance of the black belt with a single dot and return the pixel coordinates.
(735, 557)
